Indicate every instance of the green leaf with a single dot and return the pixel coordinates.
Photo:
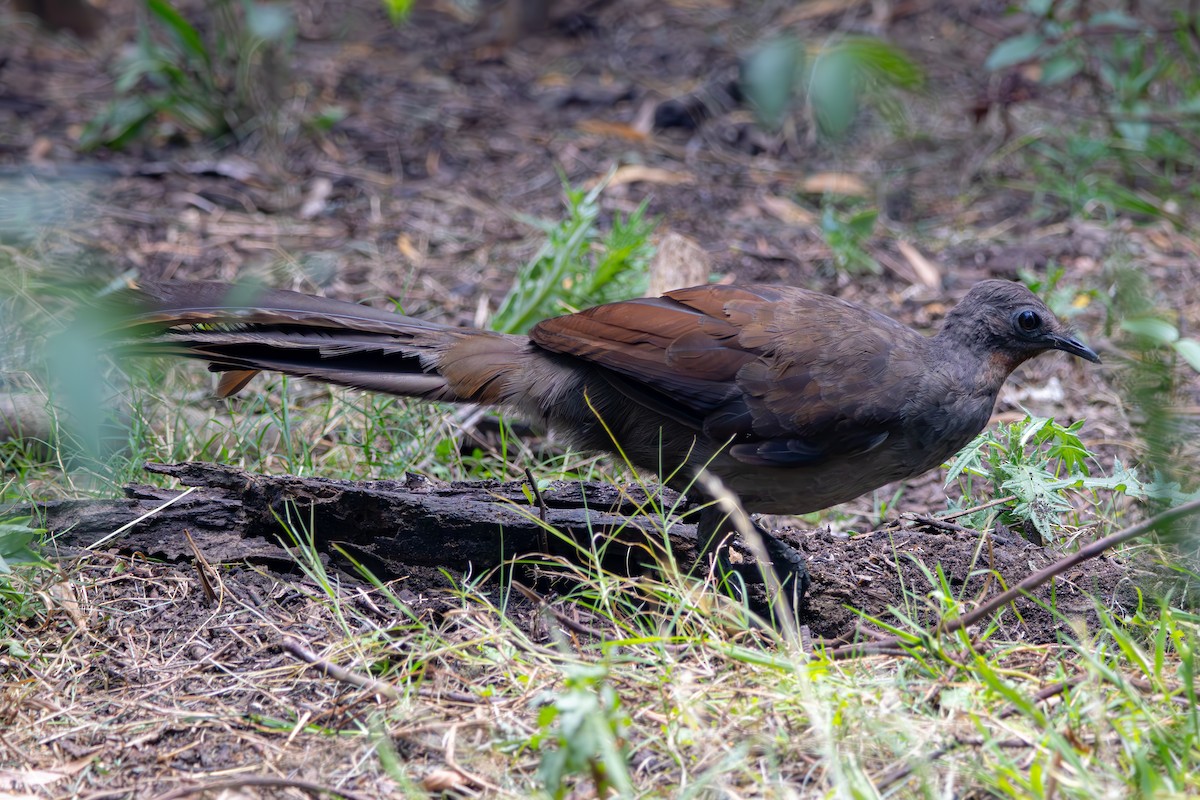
(122, 121)
(187, 35)
(771, 78)
(271, 22)
(17, 541)
(862, 224)
(883, 62)
(1155, 330)
(329, 117)
(1013, 51)
(398, 11)
(1189, 351)
(833, 91)
(1114, 19)
(1060, 68)
(1037, 500)
(1033, 427)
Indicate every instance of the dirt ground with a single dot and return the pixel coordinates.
(449, 143)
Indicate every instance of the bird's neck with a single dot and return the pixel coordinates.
(985, 369)
(999, 365)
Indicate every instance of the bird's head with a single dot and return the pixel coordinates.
(1005, 324)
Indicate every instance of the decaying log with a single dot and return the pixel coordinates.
(390, 526)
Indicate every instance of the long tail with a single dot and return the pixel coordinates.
(242, 330)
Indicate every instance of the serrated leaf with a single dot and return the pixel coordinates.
(1037, 500)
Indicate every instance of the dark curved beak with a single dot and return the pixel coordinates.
(1069, 344)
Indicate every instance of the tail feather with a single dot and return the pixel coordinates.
(172, 303)
(241, 331)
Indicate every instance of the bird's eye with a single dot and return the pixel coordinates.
(1029, 321)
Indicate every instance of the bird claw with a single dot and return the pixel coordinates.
(790, 566)
(714, 531)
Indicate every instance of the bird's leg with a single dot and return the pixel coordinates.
(716, 527)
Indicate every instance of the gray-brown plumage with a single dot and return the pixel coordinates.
(795, 399)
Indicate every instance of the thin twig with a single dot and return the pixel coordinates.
(339, 673)
(537, 494)
(562, 619)
(315, 789)
(1087, 553)
(1031, 581)
(982, 506)
(202, 570)
(543, 537)
(452, 762)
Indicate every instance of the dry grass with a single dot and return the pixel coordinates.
(133, 681)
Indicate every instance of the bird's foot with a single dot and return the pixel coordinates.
(787, 563)
(790, 566)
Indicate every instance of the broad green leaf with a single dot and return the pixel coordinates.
(1013, 51)
(833, 91)
(1189, 351)
(1156, 330)
(770, 77)
(17, 542)
(1114, 19)
(1060, 68)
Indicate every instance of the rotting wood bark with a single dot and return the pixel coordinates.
(390, 526)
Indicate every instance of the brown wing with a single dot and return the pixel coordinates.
(766, 367)
(680, 349)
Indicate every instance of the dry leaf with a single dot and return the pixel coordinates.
(788, 211)
(445, 780)
(678, 262)
(317, 198)
(12, 780)
(42, 149)
(408, 250)
(835, 183)
(927, 271)
(620, 130)
(62, 596)
(815, 9)
(635, 173)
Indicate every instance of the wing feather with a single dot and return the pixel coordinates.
(767, 368)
